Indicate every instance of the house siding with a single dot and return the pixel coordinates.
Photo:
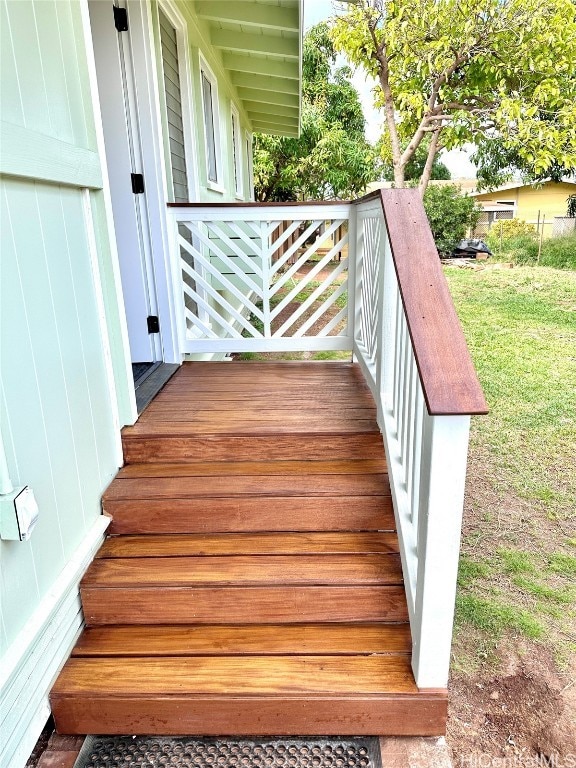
(199, 45)
(59, 407)
(548, 200)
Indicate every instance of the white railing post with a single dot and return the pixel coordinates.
(353, 276)
(442, 479)
(390, 298)
(176, 272)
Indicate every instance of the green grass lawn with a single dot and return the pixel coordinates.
(518, 568)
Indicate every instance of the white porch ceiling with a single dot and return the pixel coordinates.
(261, 46)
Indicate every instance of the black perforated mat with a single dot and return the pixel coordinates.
(156, 752)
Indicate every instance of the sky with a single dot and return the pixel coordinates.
(458, 161)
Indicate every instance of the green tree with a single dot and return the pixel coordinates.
(450, 214)
(497, 164)
(331, 158)
(414, 167)
(458, 71)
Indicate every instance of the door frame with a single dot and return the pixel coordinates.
(144, 81)
(144, 58)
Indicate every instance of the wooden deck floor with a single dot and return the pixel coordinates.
(252, 582)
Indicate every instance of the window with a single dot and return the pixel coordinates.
(250, 172)
(210, 107)
(236, 152)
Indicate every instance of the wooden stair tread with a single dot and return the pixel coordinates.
(275, 485)
(285, 604)
(255, 639)
(253, 468)
(242, 416)
(264, 513)
(229, 400)
(244, 570)
(279, 426)
(237, 675)
(249, 544)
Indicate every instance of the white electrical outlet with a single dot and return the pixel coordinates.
(18, 514)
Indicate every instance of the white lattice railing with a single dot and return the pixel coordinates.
(385, 299)
(426, 451)
(262, 278)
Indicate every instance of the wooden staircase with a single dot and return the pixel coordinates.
(251, 584)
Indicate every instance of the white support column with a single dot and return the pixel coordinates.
(443, 474)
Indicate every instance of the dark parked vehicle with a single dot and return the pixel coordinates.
(468, 249)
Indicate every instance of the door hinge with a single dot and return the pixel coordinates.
(120, 18)
(153, 324)
(137, 183)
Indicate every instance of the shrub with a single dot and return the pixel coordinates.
(508, 229)
(450, 214)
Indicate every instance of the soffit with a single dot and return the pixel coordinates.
(261, 46)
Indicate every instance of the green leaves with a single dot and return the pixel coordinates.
(331, 158)
(477, 70)
(450, 215)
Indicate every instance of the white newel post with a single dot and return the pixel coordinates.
(443, 474)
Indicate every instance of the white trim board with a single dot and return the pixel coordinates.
(35, 657)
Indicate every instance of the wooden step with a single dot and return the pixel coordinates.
(247, 639)
(419, 714)
(250, 496)
(228, 487)
(167, 697)
(244, 570)
(263, 513)
(375, 465)
(240, 604)
(238, 675)
(185, 545)
(255, 695)
(149, 446)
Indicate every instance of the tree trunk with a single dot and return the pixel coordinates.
(432, 151)
(399, 180)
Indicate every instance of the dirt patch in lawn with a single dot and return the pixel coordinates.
(522, 715)
(512, 700)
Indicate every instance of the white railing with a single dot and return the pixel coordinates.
(262, 278)
(426, 453)
(242, 268)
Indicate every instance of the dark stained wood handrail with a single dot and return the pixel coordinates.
(447, 374)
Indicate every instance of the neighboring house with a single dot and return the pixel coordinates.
(538, 205)
(108, 113)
